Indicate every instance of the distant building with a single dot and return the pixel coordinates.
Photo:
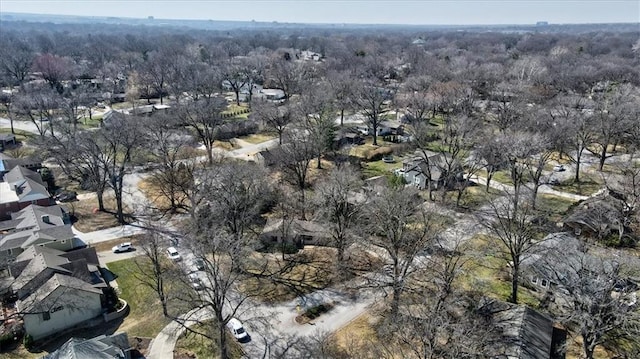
(542, 23)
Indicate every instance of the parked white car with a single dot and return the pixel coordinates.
(236, 328)
(173, 254)
(122, 247)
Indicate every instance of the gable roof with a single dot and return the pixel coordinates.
(57, 281)
(101, 347)
(26, 184)
(525, 333)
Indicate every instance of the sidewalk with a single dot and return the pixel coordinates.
(108, 234)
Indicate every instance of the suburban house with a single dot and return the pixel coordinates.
(275, 95)
(115, 346)
(7, 139)
(56, 290)
(417, 170)
(295, 231)
(347, 137)
(35, 226)
(7, 163)
(20, 188)
(600, 217)
(523, 333)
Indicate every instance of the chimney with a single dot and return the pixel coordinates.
(45, 219)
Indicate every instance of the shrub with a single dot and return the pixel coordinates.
(378, 153)
(27, 341)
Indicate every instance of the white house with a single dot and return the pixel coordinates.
(62, 302)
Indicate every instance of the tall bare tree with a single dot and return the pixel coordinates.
(402, 232)
(339, 206)
(371, 98)
(204, 118)
(514, 235)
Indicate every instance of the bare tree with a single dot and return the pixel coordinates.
(168, 146)
(401, 232)
(117, 144)
(341, 84)
(338, 205)
(613, 117)
(596, 299)
(294, 159)
(571, 119)
(514, 235)
(16, 58)
(371, 98)
(276, 118)
(154, 269)
(317, 110)
(204, 118)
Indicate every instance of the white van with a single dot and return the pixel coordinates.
(236, 328)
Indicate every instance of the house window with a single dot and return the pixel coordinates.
(534, 280)
(57, 309)
(41, 244)
(63, 241)
(46, 316)
(544, 283)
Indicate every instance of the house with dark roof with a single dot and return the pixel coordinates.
(600, 217)
(20, 188)
(115, 346)
(7, 163)
(35, 226)
(523, 333)
(419, 171)
(57, 290)
(295, 231)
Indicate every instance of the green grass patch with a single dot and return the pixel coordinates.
(145, 318)
(586, 187)
(379, 168)
(93, 122)
(553, 204)
(473, 197)
(190, 344)
(486, 273)
(21, 136)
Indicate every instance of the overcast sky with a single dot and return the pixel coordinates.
(428, 12)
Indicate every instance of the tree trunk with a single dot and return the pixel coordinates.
(587, 346)
(222, 339)
(395, 303)
(237, 92)
(100, 195)
(603, 156)
(514, 283)
(341, 117)
(577, 176)
(489, 177)
(319, 162)
(374, 124)
(13, 132)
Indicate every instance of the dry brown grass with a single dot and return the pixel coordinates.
(303, 272)
(154, 194)
(88, 220)
(358, 335)
(226, 145)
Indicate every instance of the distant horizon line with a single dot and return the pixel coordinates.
(153, 18)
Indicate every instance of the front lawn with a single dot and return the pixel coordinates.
(145, 318)
(190, 344)
(88, 219)
(586, 187)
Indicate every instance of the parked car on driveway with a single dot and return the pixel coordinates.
(173, 254)
(198, 264)
(236, 328)
(388, 159)
(122, 247)
(66, 196)
(195, 281)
